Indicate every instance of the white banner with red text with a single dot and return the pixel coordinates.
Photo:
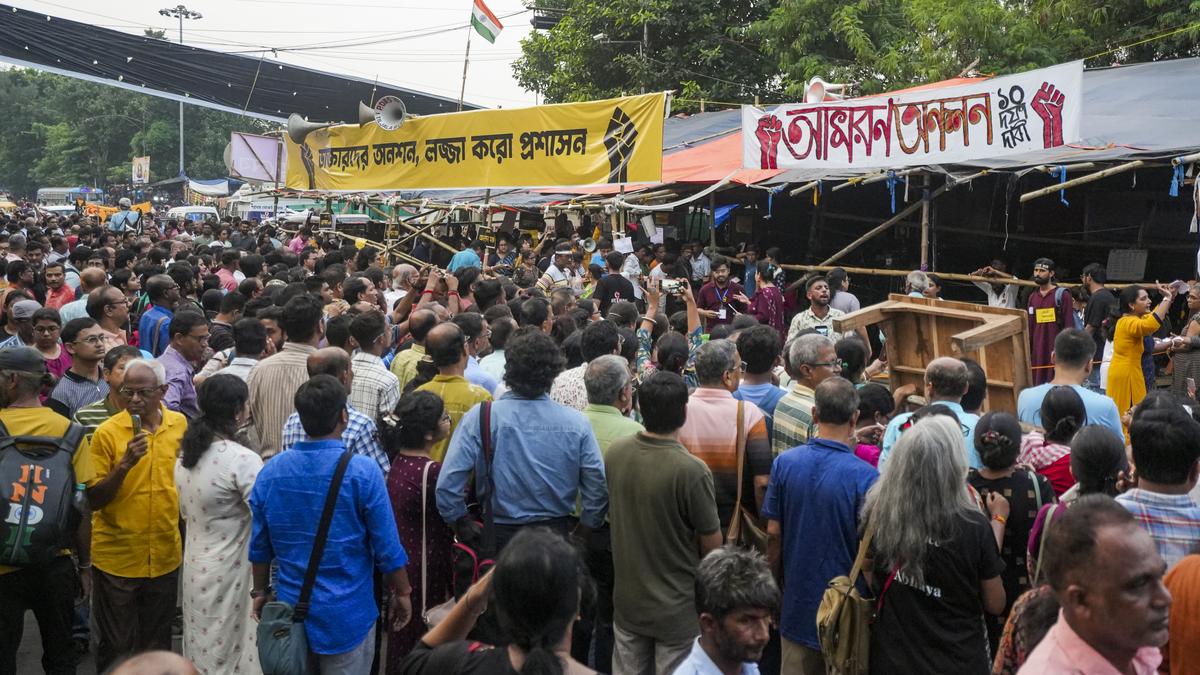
(995, 117)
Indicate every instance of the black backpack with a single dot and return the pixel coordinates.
(37, 491)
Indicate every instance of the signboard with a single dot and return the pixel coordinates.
(991, 118)
(613, 141)
(254, 157)
(141, 170)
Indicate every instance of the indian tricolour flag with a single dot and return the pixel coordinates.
(485, 22)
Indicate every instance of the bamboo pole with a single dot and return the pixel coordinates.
(1047, 168)
(803, 188)
(1186, 159)
(945, 276)
(874, 178)
(882, 227)
(1089, 178)
(430, 237)
(925, 223)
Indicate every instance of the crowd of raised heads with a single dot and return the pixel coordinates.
(546, 457)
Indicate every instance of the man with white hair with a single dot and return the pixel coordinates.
(125, 219)
(136, 549)
(916, 283)
(403, 276)
(946, 381)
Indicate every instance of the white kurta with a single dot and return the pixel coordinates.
(218, 633)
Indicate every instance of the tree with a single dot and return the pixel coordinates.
(878, 45)
(56, 130)
(699, 48)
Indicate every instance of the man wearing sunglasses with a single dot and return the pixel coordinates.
(946, 381)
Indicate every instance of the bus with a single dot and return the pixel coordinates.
(69, 195)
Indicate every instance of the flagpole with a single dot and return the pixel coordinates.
(466, 60)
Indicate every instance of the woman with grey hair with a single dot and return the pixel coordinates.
(933, 561)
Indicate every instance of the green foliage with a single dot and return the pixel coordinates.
(57, 131)
(697, 47)
(878, 45)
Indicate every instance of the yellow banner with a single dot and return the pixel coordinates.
(613, 141)
(103, 212)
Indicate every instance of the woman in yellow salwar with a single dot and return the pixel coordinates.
(1126, 383)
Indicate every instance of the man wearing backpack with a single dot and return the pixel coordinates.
(47, 583)
(1050, 311)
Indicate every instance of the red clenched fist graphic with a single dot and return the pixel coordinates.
(768, 133)
(1048, 104)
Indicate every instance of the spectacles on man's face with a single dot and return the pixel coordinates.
(200, 338)
(93, 340)
(143, 393)
(45, 330)
(836, 363)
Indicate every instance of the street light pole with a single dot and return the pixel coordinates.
(180, 12)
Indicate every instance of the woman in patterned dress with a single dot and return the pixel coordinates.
(410, 432)
(214, 476)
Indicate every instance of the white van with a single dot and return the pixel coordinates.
(195, 214)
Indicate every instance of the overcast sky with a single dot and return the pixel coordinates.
(429, 63)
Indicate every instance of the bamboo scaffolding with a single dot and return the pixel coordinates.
(1082, 180)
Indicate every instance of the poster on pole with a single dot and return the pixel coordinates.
(141, 170)
(990, 118)
(254, 157)
(612, 141)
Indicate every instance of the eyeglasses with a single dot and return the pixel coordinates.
(143, 393)
(446, 418)
(836, 363)
(93, 340)
(741, 368)
(201, 338)
(45, 330)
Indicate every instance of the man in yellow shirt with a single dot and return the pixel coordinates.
(404, 365)
(47, 589)
(136, 546)
(447, 346)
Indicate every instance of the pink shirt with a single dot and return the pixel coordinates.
(227, 281)
(1063, 652)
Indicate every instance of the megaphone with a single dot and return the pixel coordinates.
(388, 112)
(588, 244)
(299, 128)
(817, 90)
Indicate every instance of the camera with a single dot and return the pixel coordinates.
(672, 286)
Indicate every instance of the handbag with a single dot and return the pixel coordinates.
(844, 618)
(474, 557)
(282, 640)
(432, 616)
(744, 529)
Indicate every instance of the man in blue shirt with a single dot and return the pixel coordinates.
(548, 455)
(286, 504)
(812, 505)
(946, 380)
(472, 256)
(125, 219)
(760, 348)
(1073, 353)
(154, 327)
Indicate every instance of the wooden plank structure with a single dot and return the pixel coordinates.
(919, 330)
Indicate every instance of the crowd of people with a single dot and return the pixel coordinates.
(541, 459)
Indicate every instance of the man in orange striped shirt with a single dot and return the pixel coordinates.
(710, 432)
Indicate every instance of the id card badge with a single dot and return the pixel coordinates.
(721, 314)
(1045, 315)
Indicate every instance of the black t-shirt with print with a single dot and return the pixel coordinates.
(610, 289)
(457, 658)
(938, 627)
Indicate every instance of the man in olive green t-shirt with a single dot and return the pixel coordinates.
(663, 516)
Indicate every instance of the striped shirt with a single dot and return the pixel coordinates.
(1172, 521)
(792, 421)
(92, 415)
(273, 384)
(75, 391)
(710, 433)
(375, 389)
(360, 437)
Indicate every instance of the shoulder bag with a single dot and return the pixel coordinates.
(432, 616)
(744, 529)
(282, 640)
(844, 618)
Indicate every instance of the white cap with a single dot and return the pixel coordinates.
(125, 203)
